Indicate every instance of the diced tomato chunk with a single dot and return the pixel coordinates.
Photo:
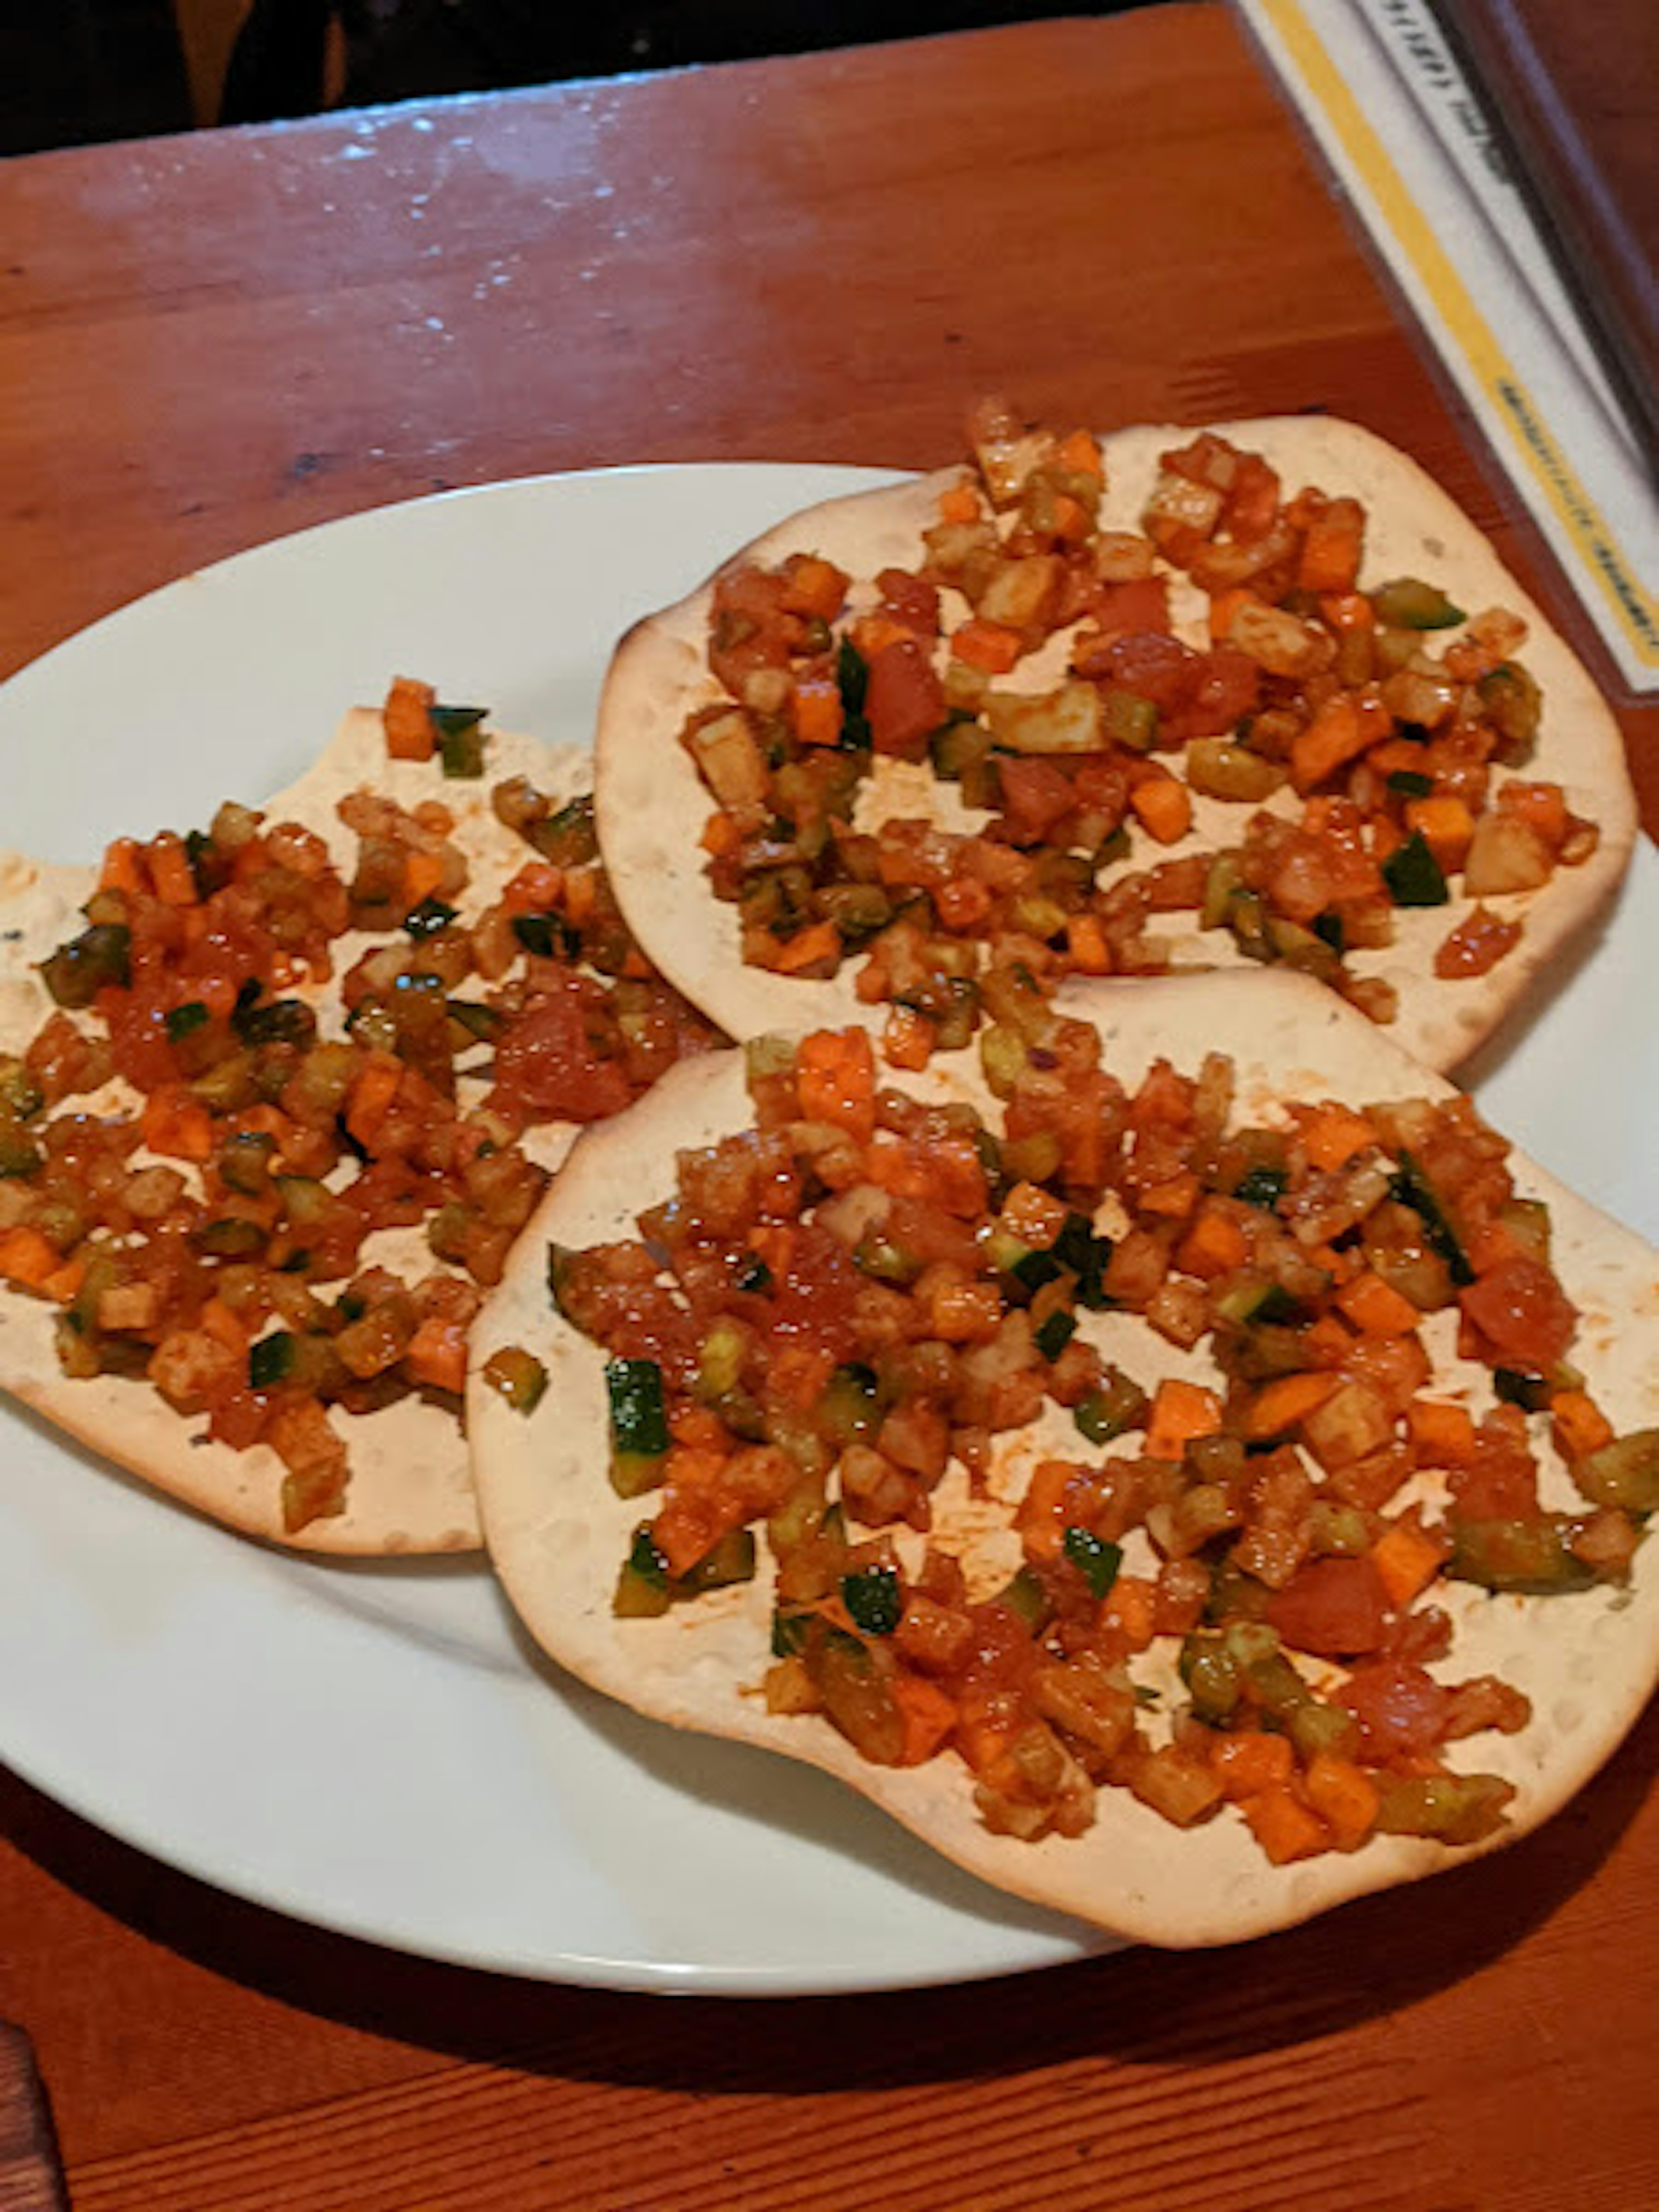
(1334, 1606)
(1035, 796)
(1523, 1312)
(1400, 1705)
(543, 1060)
(904, 701)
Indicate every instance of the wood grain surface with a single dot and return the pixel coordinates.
(30, 2179)
(207, 343)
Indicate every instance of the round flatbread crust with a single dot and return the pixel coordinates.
(411, 1488)
(557, 1533)
(651, 804)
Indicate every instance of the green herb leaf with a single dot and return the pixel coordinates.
(853, 681)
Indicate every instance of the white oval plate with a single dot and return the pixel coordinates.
(375, 1748)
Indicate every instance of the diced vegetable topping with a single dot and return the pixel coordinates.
(208, 1232)
(1373, 761)
(816, 1340)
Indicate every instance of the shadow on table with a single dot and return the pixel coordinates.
(1377, 1956)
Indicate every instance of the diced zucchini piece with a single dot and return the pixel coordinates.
(1095, 1559)
(517, 1375)
(1408, 603)
(639, 1425)
(1413, 876)
(1117, 1406)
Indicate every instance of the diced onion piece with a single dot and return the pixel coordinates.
(731, 760)
(1069, 721)
(1505, 854)
(1220, 769)
(1007, 452)
(1279, 642)
(1022, 594)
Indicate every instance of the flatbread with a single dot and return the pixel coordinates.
(651, 804)
(557, 1533)
(411, 1489)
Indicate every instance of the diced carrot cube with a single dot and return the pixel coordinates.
(698, 1427)
(1338, 733)
(814, 587)
(1347, 611)
(928, 1714)
(1279, 1405)
(989, 644)
(908, 1039)
(174, 1125)
(27, 1258)
(1329, 559)
(407, 719)
(1181, 1411)
(1445, 826)
(1332, 1134)
(1164, 807)
(1069, 519)
(537, 887)
(1396, 756)
(369, 1100)
(1225, 608)
(835, 1080)
(124, 868)
(1038, 1517)
(818, 941)
(1250, 1761)
(818, 710)
(1079, 452)
(1577, 1424)
(1284, 1827)
(422, 874)
(1214, 1245)
(1443, 1435)
(1174, 1199)
(871, 633)
(1130, 1613)
(1086, 949)
(63, 1284)
(1406, 1560)
(774, 1243)
(171, 872)
(1542, 805)
(1375, 1308)
(217, 1321)
(436, 1355)
(1344, 1796)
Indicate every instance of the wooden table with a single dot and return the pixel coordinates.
(205, 343)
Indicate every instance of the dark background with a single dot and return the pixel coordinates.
(77, 71)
